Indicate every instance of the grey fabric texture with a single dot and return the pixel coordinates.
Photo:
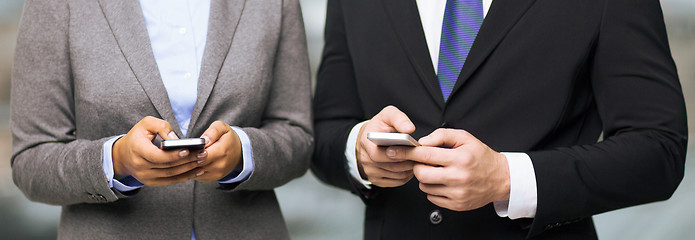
(84, 72)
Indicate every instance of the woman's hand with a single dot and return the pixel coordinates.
(135, 155)
(223, 149)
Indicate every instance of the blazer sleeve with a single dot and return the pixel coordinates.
(282, 145)
(337, 107)
(641, 106)
(49, 164)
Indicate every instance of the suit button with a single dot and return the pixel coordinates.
(435, 217)
(101, 198)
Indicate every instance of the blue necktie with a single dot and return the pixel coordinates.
(462, 19)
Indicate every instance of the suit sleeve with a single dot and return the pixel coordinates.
(640, 102)
(282, 145)
(49, 164)
(337, 107)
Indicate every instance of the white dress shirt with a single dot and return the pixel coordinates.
(523, 193)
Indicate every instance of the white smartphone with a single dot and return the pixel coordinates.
(188, 143)
(392, 139)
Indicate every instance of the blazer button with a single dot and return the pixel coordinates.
(435, 217)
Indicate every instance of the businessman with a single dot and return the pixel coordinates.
(95, 81)
(533, 115)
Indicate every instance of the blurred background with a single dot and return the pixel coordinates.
(316, 211)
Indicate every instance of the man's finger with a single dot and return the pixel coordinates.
(395, 118)
(447, 137)
(387, 182)
(215, 132)
(376, 172)
(429, 174)
(433, 189)
(440, 201)
(404, 166)
(434, 156)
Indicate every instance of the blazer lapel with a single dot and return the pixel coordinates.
(502, 16)
(405, 20)
(128, 26)
(224, 18)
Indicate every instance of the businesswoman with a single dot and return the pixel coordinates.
(95, 81)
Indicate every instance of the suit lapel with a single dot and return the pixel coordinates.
(502, 16)
(224, 18)
(405, 20)
(128, 26)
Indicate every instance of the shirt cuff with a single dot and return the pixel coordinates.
(129, 183)
(523, 195)
(352, 159)
(247, 160)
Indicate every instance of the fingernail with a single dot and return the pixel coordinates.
(390, 152)
(202, 154)
(183, 153)
(199, 173)
(207, 140)
(200, 162)
(172, 135)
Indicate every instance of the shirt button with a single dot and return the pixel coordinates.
(187, 75)
(435, 217)
(182, 30)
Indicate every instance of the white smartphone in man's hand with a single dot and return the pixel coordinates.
(392, 139)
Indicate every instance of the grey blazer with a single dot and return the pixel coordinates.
(84, 72)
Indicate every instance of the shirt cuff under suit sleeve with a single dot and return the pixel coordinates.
(242, 172)
(352, 159)
(523, 196)
(126, 184)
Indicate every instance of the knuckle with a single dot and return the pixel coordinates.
(163, 125)
(389, 108)
(417, 171)
(427, 156)
(459, 194)
(170, 172)
(462, 179)
(404, 175)
(147, 119)
(424, 178)
(138, 164)
(466, 158)
(220, 124)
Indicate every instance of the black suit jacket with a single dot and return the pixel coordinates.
(544, 77)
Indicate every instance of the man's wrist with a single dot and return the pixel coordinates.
(350, 155)
(504, 177)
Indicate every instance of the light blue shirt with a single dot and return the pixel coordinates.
(178, 32)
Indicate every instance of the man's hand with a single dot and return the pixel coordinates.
(467, 176)
(372, 161)
(223, 148)
(135, 155)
